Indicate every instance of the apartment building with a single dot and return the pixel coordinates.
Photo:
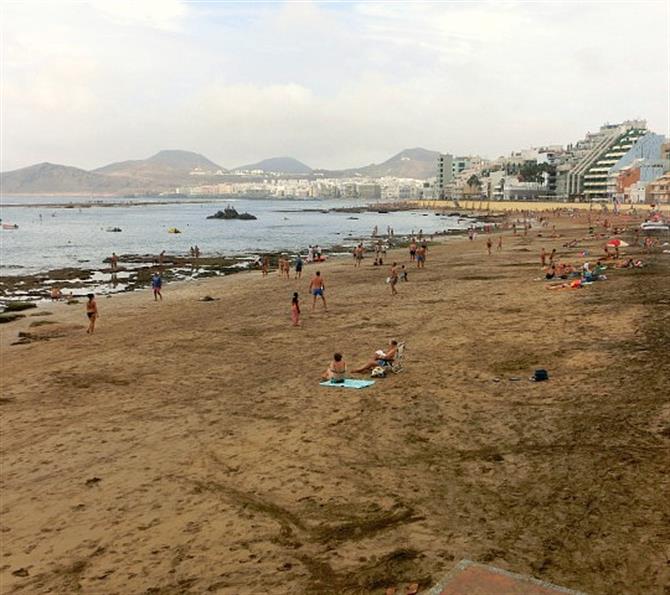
(584, 155)
(658, 191)
(445, 174)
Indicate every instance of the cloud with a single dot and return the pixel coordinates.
(335, 85)
(166, 15)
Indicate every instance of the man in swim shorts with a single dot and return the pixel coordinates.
(316, 288)
(298, 267)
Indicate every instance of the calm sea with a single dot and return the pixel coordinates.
(49, 237)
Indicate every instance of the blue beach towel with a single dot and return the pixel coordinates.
(349, 383)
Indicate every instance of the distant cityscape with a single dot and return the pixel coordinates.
(622, 162)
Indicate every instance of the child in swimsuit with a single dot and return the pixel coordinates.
(295, 309)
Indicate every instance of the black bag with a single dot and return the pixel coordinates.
(540, 375)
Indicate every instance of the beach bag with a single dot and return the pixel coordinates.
(540, 375)
(378, 372)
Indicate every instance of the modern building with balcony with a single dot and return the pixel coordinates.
(609, 144)
(633, 143)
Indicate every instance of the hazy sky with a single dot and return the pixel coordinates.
(332, 84)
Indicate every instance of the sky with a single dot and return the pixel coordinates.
(334, 84)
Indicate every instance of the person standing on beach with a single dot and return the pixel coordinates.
(317, 288)
(420, 257)
(412, 250)
(295, 309)
(358, 255)
(91, 313)
(114, 260)
(156, 286)
(265, 267)
(393, 278)
(543, 258)
(298, 267)
(489, 245)
(500, 243)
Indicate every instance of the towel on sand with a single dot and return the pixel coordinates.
(349, 383)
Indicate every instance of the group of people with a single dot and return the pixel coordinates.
(337, 369)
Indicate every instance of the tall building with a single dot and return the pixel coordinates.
(445, 173)
(595, 178)
(609, 144)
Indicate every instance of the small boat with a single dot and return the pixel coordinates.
(10, 226)
(173, 230)
(114, 229)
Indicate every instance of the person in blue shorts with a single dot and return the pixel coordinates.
(317, 288)
(298, 267)
(156, 285)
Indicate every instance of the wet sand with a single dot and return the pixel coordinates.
(186, 447)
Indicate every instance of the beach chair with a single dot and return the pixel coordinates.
(396, 365)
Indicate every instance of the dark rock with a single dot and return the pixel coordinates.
(18, 306)
(10, 317)
(231, 213)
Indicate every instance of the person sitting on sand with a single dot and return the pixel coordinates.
(337, 370)
(91, 312)
(380, 358)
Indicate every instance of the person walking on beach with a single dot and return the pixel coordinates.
(393, 278)
(265, 267)
(412, 250)
(91, 313)
(552, 256)
(489, 245)
(358, 255)
(500, 243)
(420, 257)
(298, 267)
(295, 309)
(156, 286)
(543, 257)
(114, 260)
(317, 288)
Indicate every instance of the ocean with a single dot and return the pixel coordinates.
(52, 237)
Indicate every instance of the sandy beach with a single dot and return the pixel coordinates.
(187, 447)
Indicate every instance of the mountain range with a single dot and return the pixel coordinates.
(169, 168)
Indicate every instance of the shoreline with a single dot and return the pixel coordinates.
(133, 276)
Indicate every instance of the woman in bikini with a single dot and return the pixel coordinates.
(91, 312)
(337, 370)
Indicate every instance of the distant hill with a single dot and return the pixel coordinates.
(284, 165)
(50, 177)
(415, 163)
(165, 166)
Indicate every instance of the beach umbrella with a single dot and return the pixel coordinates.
(617, 243)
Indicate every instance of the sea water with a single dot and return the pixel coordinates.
(50, 236)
